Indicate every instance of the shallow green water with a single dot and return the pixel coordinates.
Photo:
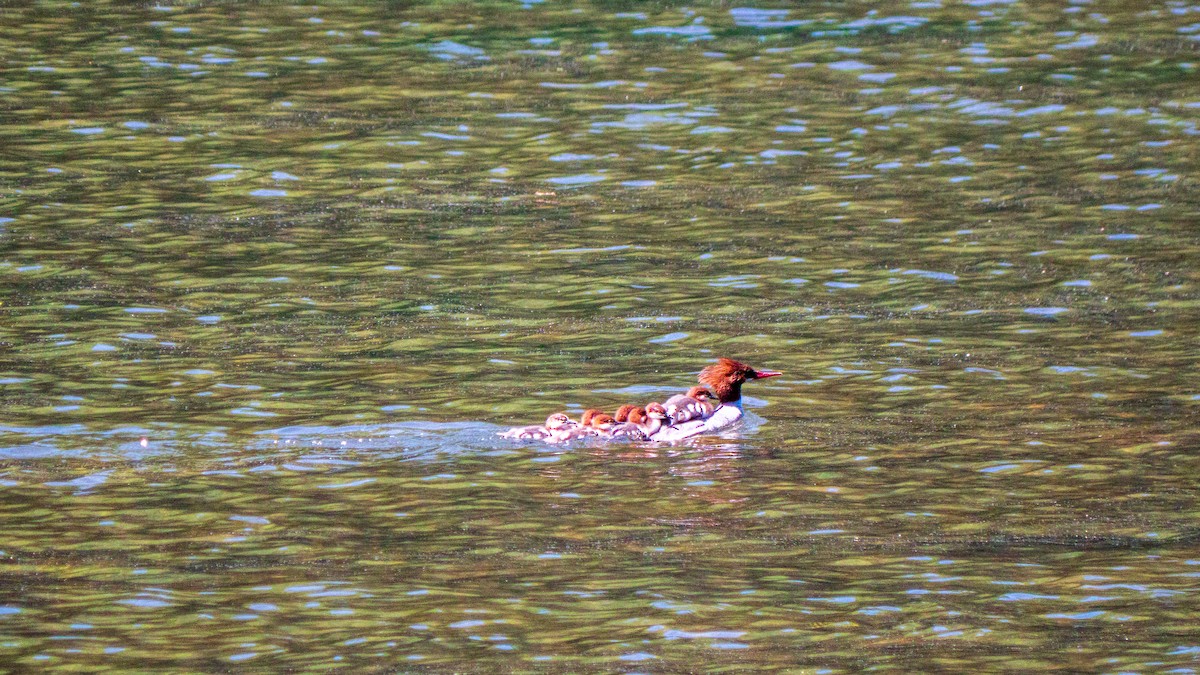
(317, 257)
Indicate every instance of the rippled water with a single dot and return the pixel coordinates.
(273, 277)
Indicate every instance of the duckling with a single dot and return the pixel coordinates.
(556, 427)
(697, 403)
(642, 425)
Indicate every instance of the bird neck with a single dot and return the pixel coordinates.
(729, 393)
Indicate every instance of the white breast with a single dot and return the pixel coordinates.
(724, 416)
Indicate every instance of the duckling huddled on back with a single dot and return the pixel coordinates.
(642, 423)
(697, 403)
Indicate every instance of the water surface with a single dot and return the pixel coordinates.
(274, 276)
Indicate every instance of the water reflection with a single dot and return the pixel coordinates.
(673, 559)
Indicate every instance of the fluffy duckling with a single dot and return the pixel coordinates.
(697, 404)
(603, 423)
(557, 427)
(642, 425)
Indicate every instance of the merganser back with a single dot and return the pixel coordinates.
(724, 379)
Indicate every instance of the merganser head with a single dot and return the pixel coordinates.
(726, 376)
(557, 421)
(588, 414)
(636, 415)
(622, 414)
(701, 394)
(603, 422)
(656, 411)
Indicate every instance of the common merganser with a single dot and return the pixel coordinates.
(583, 429)
(642, 424)
(697, 403)
(631, 427)
(656, 419)
(603, 423)
(724, 379)
(622, 414)
(557, 427)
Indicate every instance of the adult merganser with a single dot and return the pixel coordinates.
(697, 403)
(557, 427)
(724, 379)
